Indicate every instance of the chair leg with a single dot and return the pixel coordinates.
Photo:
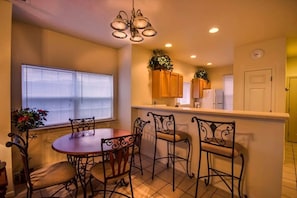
(240, 176)
(208, 168)
(232, 178)
(91, 185)
(173, 167)
(191, 175)
(140, 161)
(153, 174)
(29, 193)
(76, 187)
(168, 154)
(198, 175)
(105, 185)
(131, 187)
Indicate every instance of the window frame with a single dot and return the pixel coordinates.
(74, 98)
(179, 100)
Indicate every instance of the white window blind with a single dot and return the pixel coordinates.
(67, 94)
(186, 99)
(228, 92)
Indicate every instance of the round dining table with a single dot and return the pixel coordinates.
(81, 148)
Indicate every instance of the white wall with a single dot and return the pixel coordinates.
(124, 88)
(274, 59)
(216, 76)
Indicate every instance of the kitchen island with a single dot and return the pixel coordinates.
(261, 133)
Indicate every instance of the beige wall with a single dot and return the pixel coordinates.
(141, 77)
(292, 66)
(124, 88)
(274, 59)
(5, 57)
(37, 46)
(141, 89)
(216, 76)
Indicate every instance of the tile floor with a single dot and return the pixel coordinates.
(161, 186)
(289, 189)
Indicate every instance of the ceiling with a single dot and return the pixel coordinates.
(185, 24)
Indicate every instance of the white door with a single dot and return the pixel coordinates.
(292, 109)
(257, 90)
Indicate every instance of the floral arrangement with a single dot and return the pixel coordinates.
(160, 61)
(25, 119)
(201, 73)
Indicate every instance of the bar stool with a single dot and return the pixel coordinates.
(165, 130)
(138, 127)
(3, 179)
(218, 139)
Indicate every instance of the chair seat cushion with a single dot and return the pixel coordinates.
(179, 136)
(225, 151)
(97, 171)
(53, 174)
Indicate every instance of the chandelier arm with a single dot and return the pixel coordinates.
(125, 14)
(132, 4)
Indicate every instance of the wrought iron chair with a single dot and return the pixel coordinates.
(61, 174)
(138, 127)
(81, 126)
(165, 130)
(115, 165)
(218, 139)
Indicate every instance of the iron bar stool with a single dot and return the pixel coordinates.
(138, 127)
(165, 130)
(218, 139)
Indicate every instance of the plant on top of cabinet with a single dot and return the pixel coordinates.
(201, 73)
(160, 61)
(199, 83)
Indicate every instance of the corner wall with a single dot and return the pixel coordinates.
(5, 76)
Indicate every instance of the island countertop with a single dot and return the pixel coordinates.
(222, 112)
(261, 133)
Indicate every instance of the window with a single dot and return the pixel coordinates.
(67, 94)
(228, 92)
(186, 99)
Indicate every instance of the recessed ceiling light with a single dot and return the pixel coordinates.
(168, 45)
(193, 56)
(213, 30)
(209, 64)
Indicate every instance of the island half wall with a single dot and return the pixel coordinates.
(261, 133)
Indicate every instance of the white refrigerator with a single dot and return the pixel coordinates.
(212, 99)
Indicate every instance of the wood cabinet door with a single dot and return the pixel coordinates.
(166, 84)
(198, 84)
(180, 86)
(160, 83)
(174, 85)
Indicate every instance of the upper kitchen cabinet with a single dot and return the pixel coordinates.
(166, 84)
(198, 84)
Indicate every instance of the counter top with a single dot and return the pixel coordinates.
(222, 112)
(261, 133)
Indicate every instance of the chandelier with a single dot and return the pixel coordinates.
(137, 23)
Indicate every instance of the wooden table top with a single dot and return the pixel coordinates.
(88, 144)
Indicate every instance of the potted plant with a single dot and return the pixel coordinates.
(160, 61)
(201, 73)
(28, 118)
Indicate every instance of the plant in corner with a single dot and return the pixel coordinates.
(160, 61)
